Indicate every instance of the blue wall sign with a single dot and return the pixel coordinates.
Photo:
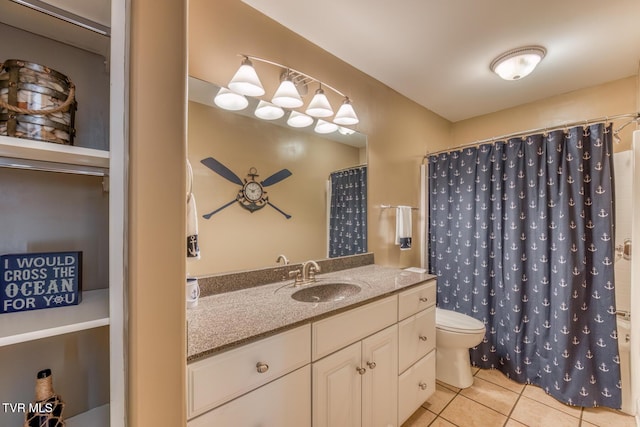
(40, 280)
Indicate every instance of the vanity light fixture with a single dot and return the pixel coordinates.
(299, 120)
(230, 100)
(346, 115)
(267, 111)
(319, 105)
(518, 63)
(246, 81)
(288, 95)
(325, 127)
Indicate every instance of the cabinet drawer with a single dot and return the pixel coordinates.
(417, 337)
(415, 299)
(220, 378)
(284, 402)
(338, 331)
(416, 385)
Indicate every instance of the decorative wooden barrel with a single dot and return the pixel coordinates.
(36, 102)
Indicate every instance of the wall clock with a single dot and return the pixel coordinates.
(251, 194)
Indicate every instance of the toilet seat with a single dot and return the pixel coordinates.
(449, 320)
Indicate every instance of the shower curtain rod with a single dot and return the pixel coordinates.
(346, 169)
(632, 116)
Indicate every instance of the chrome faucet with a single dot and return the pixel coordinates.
(305, 275)
(309, 270)
(282, 258)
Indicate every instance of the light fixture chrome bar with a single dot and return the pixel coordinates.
(293, 70)
(606, 119)
(66, 16)
(38, 165)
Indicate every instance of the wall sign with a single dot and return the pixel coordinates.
(251, 194)
(40, 280)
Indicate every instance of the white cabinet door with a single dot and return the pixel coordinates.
(380, 382)
(337, 389)
(285, 402)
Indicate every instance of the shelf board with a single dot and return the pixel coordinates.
(96, 417)
(92, 312)
(28, 154)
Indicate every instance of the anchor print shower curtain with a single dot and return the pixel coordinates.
(521, 237)
(348, 212)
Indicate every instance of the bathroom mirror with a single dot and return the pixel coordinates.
(294, 222)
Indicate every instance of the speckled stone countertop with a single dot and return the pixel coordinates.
(223, 321)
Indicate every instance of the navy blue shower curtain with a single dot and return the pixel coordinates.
(521, 237)
(348, 212)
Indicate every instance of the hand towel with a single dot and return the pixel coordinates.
(403, 227)
(193, 250)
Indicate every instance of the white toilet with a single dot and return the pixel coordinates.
(455, 334)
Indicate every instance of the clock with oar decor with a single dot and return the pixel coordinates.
(251, 194)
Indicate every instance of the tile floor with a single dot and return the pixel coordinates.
(496, 401)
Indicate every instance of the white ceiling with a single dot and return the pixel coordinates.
(437, 52)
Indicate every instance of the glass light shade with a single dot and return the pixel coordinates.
(299, 120)
(229, 100)
(518, 63)
(319, 105)
(287, 95)
(325, 127)
(267, 111)
(346, 131)
(245, 81)
(346, 115)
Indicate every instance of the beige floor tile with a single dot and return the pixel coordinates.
(513, 423)
(491, 395)
(606, 417)
(497, 377)
(449, 386)
(536, 393)
(441, 422)
(439, 399)
(583, 423)
(465, 412)
(535, 414)
(474, 370)
(420, 418)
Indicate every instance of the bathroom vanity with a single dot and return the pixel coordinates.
(257, 356)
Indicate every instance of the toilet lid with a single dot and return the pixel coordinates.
(450, 320)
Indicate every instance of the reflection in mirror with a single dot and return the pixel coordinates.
(263, 188)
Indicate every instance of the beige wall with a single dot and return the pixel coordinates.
(609, 99)
(156, 225)
(236, 239)
(399, 131)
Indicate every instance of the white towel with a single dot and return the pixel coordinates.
(403, 227)
(193, 249)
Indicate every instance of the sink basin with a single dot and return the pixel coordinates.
(328, 292)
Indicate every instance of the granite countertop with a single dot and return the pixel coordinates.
(223, 321)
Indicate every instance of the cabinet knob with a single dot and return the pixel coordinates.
(262, 367)
(361, 371)
(371, 365)
(424, 299)
(423, 338)
(422, 385)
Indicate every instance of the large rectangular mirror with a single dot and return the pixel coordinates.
(293, 167)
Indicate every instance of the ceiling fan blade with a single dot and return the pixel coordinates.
(276, 177)
(221, 170)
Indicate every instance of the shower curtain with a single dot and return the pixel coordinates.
(348, 212)
(521, 237)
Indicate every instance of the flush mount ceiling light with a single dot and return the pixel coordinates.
(293, 85)
(518, 63)
(246, 81)
(229, 100)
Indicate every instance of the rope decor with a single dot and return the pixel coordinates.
(50, 405)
